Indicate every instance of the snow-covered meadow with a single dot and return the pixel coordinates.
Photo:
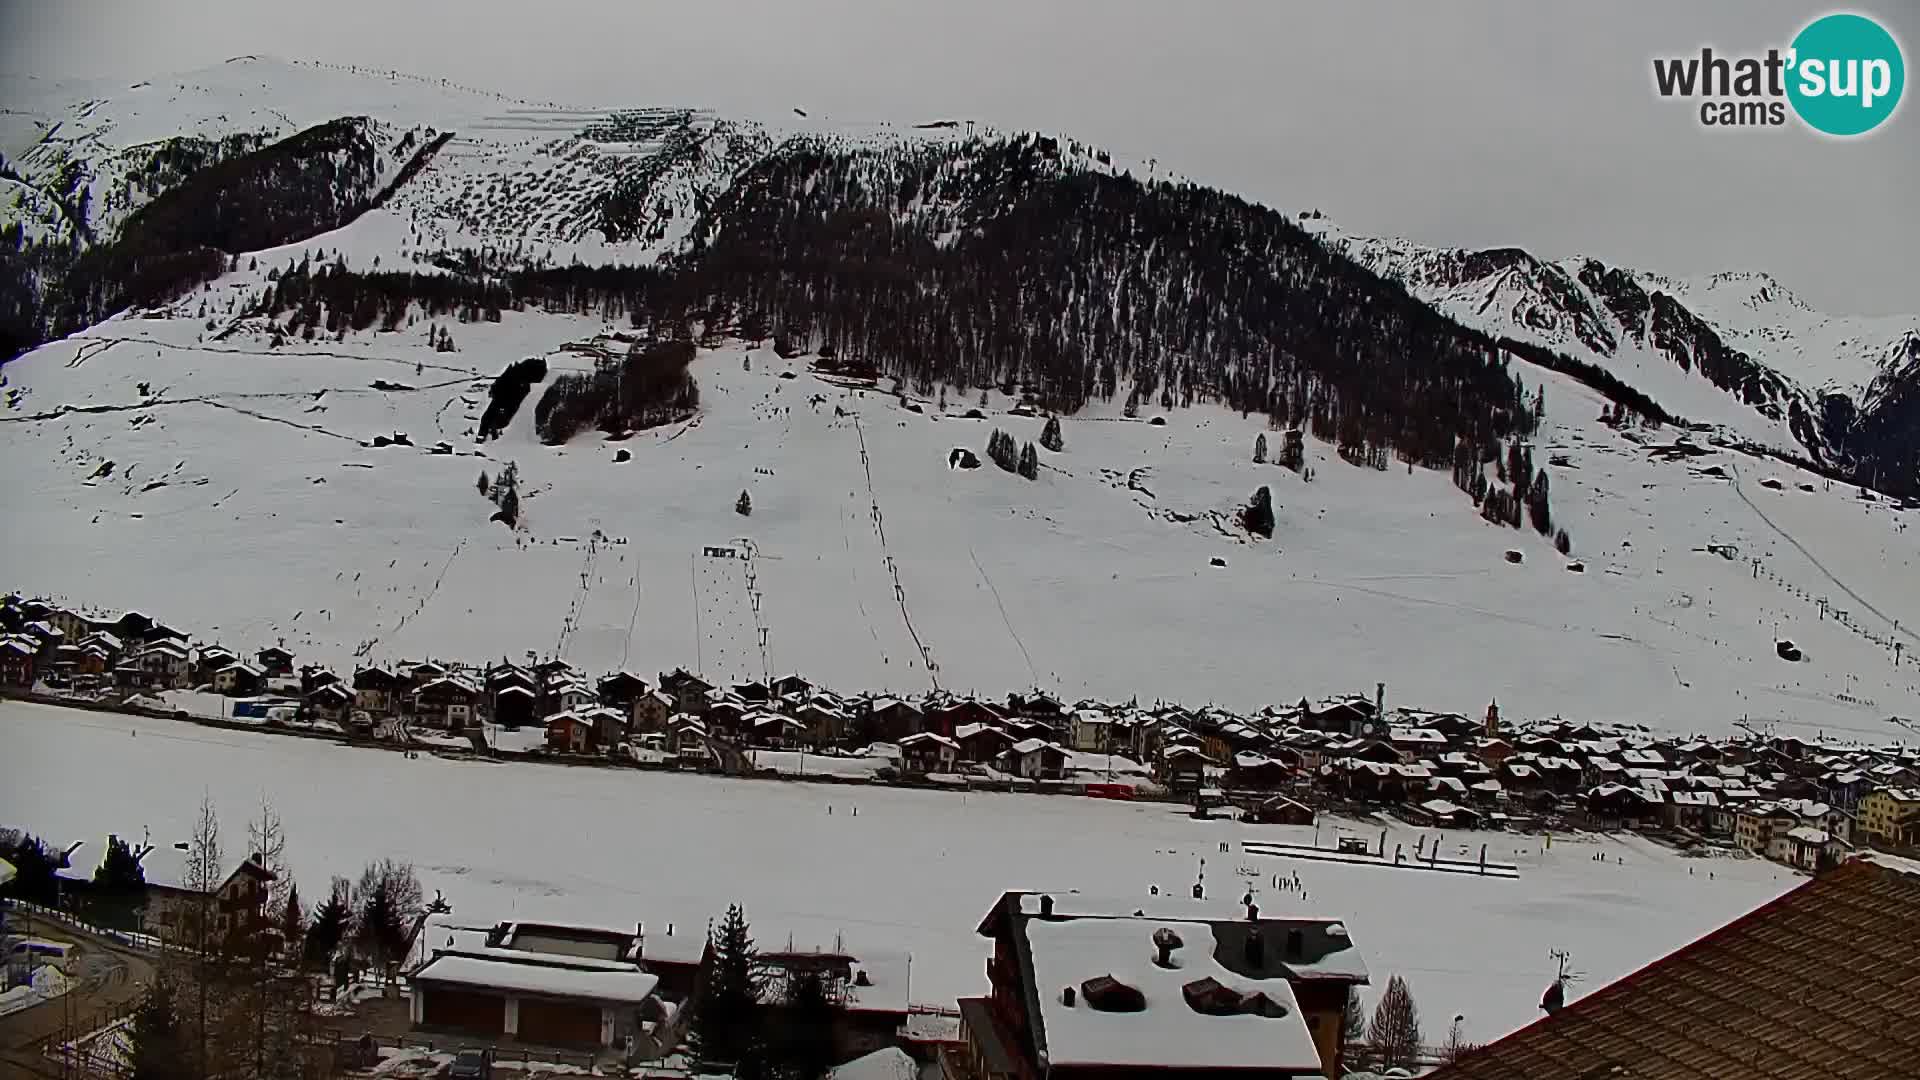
(885, 869)
(243, 505)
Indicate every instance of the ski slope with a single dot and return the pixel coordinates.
(911, 871)
(244, 504)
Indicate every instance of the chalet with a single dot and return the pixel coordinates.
(1414, 743)
(1619, 805)
(949, 717)
(450, 702)
(753, 692)
(775, 730)
(1691, 810)
(620, 690)
(1184, 769)
(329, 701)
(1091, 731)
(1739, 997)
(547, 672)
(1036, 759)
(232, 898)
(1280, 810)
(274, 660)
(689, 691)
(567, 694)
(1445, 814)
(71, 624)
(1170, 991)
(162, 632)
(892, 720)
(1892, 816)
(1351, 716)
(17, 659)
(1812, 849)
(238, 680)
(926, 753)
(650, 711)
(132, 627)
(513, 706)
(725, 716)
(507, 673)
(93, 658)
(545, 985)
(570, 733)
(376, 690)
(314, 676)
(981, 743)
(163, 665)
(106, 640)
(1258, 772)
(609, 725)
(686, 735)
(1034, 706)
(824, 726)
(788, 685)
(422, 673)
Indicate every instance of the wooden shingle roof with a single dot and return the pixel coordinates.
(1819, 984)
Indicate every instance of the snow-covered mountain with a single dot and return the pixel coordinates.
(1801, 380)
(222, 454)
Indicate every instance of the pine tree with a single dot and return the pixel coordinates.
(1537, 510)
(119, 872)
(743, 505)
(483, 483)
(1257, 516)
(1353, 1019)
(157, 1040)
(804, 1046)
(1003, 451)
(1029, 462)
(1050, 436)
(1260, 449)
(293, 924)
(724, 1018)
(1563, 543)
(332, 921)
(510, 507)
(1394, 1035)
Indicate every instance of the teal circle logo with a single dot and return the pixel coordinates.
(1847, 74)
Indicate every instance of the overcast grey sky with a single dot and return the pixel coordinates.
(1470, 123)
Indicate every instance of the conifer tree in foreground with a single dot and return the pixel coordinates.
(1029, 462)
(724, 1018)
(1394, 1035)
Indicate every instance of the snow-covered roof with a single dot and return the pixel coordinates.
(1807, 834)
(929, 737)
(629, 986)
(1168, 1033)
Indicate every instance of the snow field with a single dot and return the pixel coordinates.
(912, 870)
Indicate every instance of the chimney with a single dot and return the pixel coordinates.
(1380, 705)
(1256, 949)
(1066, 996)
(1296, 943)
(1046, 912)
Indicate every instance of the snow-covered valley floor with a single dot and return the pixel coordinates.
(912, 871)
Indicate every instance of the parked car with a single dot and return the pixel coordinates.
(471, 1065)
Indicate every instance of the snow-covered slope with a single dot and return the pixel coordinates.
(865, 545)
(1736, 350)
(242, 501)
